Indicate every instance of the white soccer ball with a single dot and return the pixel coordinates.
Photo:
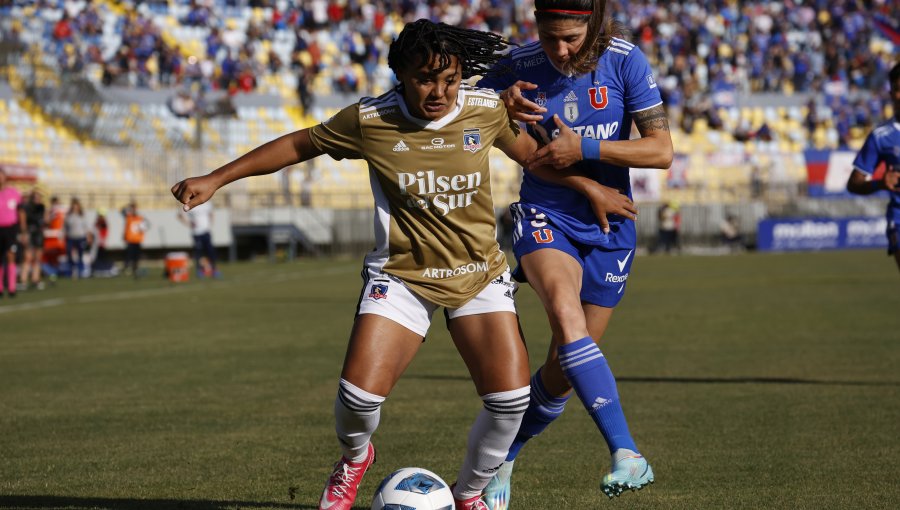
(413, 489)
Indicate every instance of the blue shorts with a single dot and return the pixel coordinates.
(605, 272)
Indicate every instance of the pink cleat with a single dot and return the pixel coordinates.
(340, 491)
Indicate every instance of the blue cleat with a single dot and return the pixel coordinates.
(630, 472)
(496, 494)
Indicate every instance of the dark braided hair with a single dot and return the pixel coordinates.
(423, 40)
(601, 29)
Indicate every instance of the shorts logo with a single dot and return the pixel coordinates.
(543, 236)
(379, 291)
(472, 139)
(599, 99)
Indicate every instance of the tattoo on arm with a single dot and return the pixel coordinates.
(652, 119)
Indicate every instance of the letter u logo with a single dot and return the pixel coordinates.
(601, 102)
(543, 236)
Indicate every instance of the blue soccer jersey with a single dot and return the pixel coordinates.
(882, 145)
(595, 105)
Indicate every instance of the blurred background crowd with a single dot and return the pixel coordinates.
(705, 53)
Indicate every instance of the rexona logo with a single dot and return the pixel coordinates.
(442, 192)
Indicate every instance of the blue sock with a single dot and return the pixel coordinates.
(542, 410)
(589, 374)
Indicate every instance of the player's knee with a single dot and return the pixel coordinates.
(568, 320)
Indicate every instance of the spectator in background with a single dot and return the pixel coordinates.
(669, 223)
(11, 226)
(76, 229)
(730, 233)
(54, 240)
(135, 227)
(200, 220)
(881, 147)
(101, 265)
(35, 220)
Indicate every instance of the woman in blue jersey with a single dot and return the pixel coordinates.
(579, 88)
(883, 146)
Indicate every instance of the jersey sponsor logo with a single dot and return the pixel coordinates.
(438, 144)
(472, 139)
(401, 147)
(543, 236)
(378, 291)
(441, 273)
(482, 101)
(432, 190)
(379, 112)
(597, 132)
(527, 63)
(599, 99)
(541, 99)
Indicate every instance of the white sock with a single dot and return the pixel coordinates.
(356, 414)
(489, 440)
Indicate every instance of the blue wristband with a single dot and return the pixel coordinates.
(590, 149)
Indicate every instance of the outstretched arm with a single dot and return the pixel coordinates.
(604, 200)
(266, 159)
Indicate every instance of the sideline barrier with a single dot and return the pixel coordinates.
(807, 234)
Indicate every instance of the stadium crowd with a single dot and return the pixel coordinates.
(706, 53)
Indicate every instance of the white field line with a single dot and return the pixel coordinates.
(253, 278)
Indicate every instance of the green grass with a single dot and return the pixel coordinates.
(751, 381)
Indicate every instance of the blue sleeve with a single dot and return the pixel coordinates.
(641, 90)
(867, 157)
(500, 77)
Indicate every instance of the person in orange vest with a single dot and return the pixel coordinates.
(135, 226)
(54, 241)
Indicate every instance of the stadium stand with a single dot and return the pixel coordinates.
(113, 100)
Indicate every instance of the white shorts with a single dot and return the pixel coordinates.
(387, 296)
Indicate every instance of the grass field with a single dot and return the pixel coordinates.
(750, 381)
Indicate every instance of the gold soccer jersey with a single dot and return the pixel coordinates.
(434, 215)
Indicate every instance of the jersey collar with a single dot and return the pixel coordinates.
(432, 124)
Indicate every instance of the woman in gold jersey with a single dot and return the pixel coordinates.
(426, 143)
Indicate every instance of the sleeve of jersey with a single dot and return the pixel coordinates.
(642, 92)
(500, 77)
(340, 136)
(867, 158)
(509, 129)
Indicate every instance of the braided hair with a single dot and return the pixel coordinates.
(422, 41)
(600, 27)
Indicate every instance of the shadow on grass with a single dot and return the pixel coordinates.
(696, 380)
(84, 503)
(752, 380)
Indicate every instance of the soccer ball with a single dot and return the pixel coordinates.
(413, 489)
